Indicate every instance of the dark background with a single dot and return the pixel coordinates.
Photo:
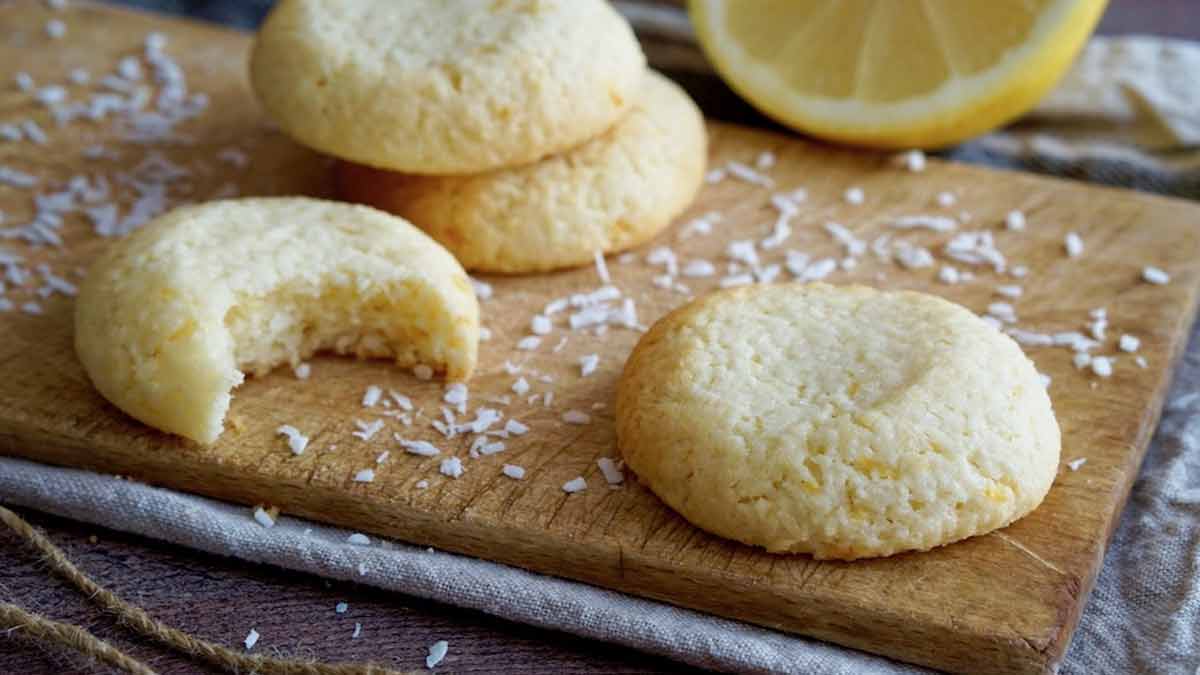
(221, 599)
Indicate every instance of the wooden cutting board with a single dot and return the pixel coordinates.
(1001, 603)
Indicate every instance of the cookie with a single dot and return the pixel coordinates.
(449, 87)
(843, 422)
(169, 318)
(612, 193)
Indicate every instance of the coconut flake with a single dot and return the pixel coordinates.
(529, 343)
(1076, 464)
(576, 417)
(913, 160)
(612, 474)
(1156, 276)
(819, 270)
(1129, 343)
(341, 608)
(365, 430)
(422, 448)
(601, 267)
(296, 440)
(933, 223)
(854, 246)
(364, 476)
(577, 484)
(540, 325)
(513, 471)
(302, 371)
(1014, 221)
(588, 364)
(854, 195)
(357, 625)
(251, 639)
(437, 652)
(699, 268)
(1073, 244)
(452, 467)
(746, 174)
(263, 517)
(1102, 366)
(371, 396)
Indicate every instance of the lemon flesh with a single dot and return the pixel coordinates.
(893, 73)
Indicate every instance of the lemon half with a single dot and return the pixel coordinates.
(893, 73)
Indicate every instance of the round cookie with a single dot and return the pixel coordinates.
(449, 87)
(169, 318)
(612, 193)
(843, 422)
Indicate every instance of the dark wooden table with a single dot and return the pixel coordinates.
(221, 598)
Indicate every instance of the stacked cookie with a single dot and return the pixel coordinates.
(524, 136)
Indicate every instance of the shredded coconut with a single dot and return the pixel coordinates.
(359, 539)
(744, 173)
(1140, 361)
(1155, 276)
(371, 396)
(302, 371)
(766, 160)
(529, 343)
(933, 223)
(251, 639)
(913, 160)
(588, 364)
(601, 267)
(513, 471)
(853, 245)
(612, 474)
(1076, 464)
(1015, 221)
(364, 476)
(1102, 366)
(1129, 343)
(55, 29)
(296, 440)
(819, 269)
(515, 428)
(365, 430)
(357, 625)
(1009, 291)
(1073, 244)
(975, 248)
(854, 195)
(577, 484)
(400, 400)
(422, 448)
(263, 517)
(948, 275)
(451, 466)
(576, 417)
(699, 268)
(341, 608)
(437, 652)
(946, 199)
(540, 325)
(912, 257)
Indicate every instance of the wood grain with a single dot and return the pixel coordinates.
(999, 603)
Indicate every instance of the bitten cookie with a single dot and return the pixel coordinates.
(843, 422)
(168, 319)
(457, 86)
(612, 193)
